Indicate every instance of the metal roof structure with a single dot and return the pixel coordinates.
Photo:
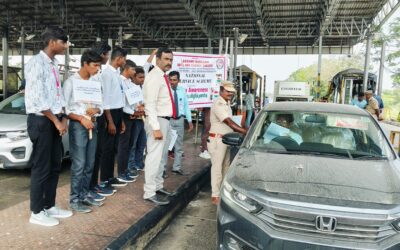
(269, 24)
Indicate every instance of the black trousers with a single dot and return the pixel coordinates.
(45, 162)
(101, 130)
(125, 145)
(106, 148)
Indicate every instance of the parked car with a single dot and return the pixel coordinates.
(15, 145)
(311, 176)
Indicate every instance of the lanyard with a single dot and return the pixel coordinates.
(58, 85)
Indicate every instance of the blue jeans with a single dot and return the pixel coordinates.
(139, 144)
(82, 151)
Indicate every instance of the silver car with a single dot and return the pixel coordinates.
(311, 176)
(15, 145)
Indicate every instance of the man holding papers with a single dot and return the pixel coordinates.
(178, 123)
(133, 100)
(83, 104)
(221, 124)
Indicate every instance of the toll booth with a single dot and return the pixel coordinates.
(347, 83)
(250, 81)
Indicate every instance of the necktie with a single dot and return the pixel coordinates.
(170, 96)
(176, 103)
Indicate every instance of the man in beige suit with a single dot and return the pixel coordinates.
(159, 109)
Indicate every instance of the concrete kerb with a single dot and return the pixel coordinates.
(140, 234)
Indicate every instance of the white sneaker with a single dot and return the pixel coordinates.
(57, 212)
(205, 155)
(43, 219)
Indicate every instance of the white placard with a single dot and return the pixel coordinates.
(134, 95)
(87, 91)
(174, 136)
(237, 119)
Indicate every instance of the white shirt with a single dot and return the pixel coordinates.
(41, 91)
(156, 97)
(77, 108)
(113, 93)
(128, 84)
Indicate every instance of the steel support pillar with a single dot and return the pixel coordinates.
(209, 46)
(231, 68)
(221, 44)
(120, 40)
(366, 64)
(4, 43)
(381, 67)
(319, 67)
(236, 40)
(110, 42)
(22, 53)
(67, 59)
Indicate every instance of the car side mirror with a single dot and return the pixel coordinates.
(233, 139)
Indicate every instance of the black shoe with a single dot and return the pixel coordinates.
(114, 182)
(157, 200)
(165, 175)
(163, 191)
(179, 172)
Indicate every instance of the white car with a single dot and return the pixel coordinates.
(15, 145)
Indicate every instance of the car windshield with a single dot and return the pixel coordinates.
(325, 134)
(15, 104)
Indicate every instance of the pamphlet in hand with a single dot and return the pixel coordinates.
(274, 130)
(174, 136)
(86, 91)
(237, 119)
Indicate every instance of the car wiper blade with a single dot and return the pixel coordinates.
(371, 157)
(322, 153)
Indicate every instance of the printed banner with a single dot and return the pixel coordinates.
(201, 76)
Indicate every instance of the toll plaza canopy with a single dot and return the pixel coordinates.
(271, 26)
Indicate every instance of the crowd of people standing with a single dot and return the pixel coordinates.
(99, 134)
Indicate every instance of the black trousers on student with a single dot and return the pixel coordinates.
(107, 148)
(45, 162)
(125, 145)
(101, 130)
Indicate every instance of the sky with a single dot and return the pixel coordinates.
(274, 67)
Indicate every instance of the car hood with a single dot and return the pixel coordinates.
(12, 122)
(305, 176)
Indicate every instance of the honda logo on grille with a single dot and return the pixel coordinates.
(325, 224)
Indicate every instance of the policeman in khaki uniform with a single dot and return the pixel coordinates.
(221, 123)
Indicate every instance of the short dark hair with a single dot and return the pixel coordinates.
(139, 70)
(90, 56)
(361, 94)
(53, 33)
(175, 73)
(117, 52)
(129, 64)
(101, 47)
(163, 50)
(287, 117)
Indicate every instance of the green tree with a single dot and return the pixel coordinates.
(392, 49)
(330, 67)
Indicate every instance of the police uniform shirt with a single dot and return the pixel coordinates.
(220, 110)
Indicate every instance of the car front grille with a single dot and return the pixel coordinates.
(347, 228)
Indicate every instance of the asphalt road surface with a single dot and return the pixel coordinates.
(194, 228)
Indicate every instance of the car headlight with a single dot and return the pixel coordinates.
(17, 135)
(241, 199)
